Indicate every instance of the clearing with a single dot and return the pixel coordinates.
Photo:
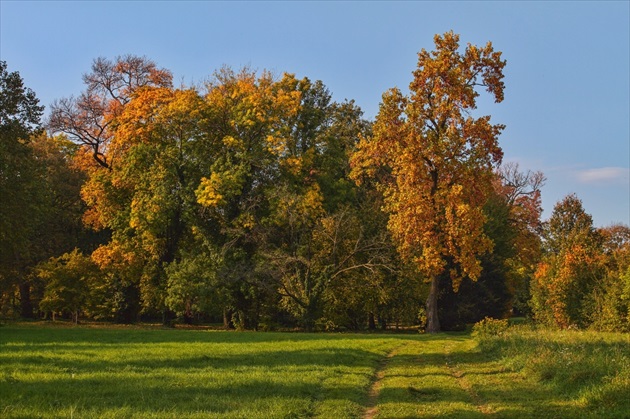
(60, 371)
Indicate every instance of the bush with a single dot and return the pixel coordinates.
(487, 330)
(489, 327)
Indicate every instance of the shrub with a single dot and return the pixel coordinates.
(488, 330)
(489, 327)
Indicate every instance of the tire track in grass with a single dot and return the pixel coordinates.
(376, 381)
(463, 382)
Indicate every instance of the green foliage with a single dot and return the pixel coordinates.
(192, 286)
(20, 186)
(67, 282)
(487, 330)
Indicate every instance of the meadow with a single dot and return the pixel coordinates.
(63, 371)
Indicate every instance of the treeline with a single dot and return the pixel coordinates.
(261, 203)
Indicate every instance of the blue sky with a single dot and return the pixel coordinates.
(567, 98)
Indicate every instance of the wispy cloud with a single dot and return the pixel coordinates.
(604, 175)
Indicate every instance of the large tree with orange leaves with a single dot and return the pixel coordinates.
(434, 161)
(89, 119)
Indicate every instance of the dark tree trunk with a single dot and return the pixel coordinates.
(383, 322)
(371, 321)
(226, 319)
(433, 321)
(167, 318)
(26, 306)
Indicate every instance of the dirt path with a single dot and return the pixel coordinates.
(375, 387)
(441, 360)
(463, 382)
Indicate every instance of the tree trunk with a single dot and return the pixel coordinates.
(383, 322)
(167, 318)
(226, 319)
(371, 321)
(433, 322)
(26, 306)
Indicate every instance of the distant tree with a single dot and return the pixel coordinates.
(571, 267)
(21, 188)
(67, 283)
(609, 304)
(521, 191)
(434, 162)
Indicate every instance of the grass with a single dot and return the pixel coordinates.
(587, 370)
(49, 371)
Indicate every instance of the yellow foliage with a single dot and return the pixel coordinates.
(433, 162)
(207, 193)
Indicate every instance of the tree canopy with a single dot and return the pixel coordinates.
(258, 201)
(434, 161)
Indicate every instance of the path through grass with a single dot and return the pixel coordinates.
(81, 372)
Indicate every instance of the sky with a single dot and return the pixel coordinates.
(567, 96)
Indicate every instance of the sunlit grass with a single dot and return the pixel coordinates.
(80, 372)
(589, 369)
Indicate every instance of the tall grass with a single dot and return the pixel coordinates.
(590, 368)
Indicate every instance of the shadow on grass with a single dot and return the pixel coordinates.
(481, 386)
(259, 374)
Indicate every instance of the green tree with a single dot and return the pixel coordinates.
(67, 283)
(314, 241)
(20, 185)
(434, 162)
(609, 303)
(248, 137)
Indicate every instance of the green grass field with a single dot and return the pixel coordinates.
(60, 371)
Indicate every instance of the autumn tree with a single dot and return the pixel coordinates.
(609, 304)
(147, 199)
(513, 224)
(434, 161)
(571, 267)
(89, 119)
(521, 192)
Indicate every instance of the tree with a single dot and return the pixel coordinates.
(434, 161)
(147, 198)
(571, 267)
(68, 279)
(521, 193)
(609, 304)
(20, 183)
(90, 119)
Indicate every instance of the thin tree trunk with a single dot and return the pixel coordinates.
(371, 321)
(226, 319)
(26, 306)
(433, 322)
